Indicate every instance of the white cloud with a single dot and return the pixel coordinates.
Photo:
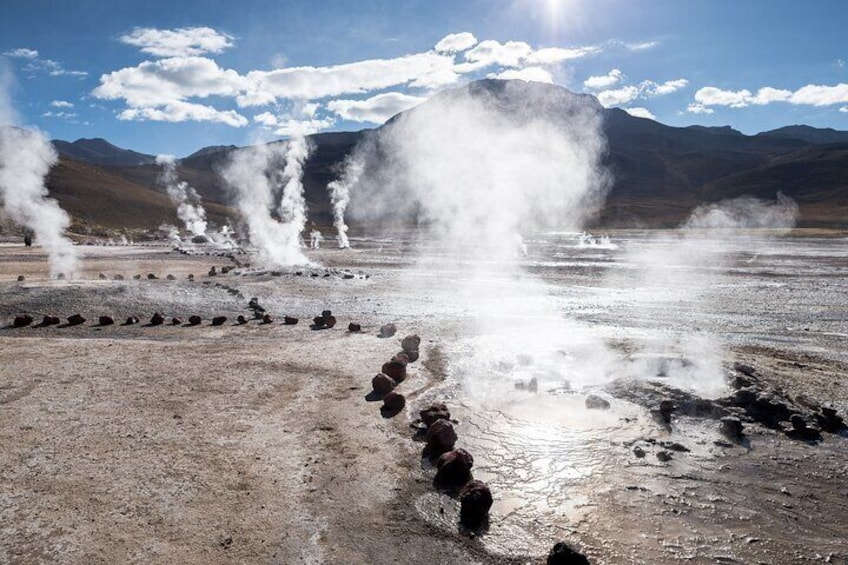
(376, 109)
(517, 54)
(180, 42)
(844, 109)
(178, 111)
(618, 96)
(266, 119)
(22, 53)
(603, 81)
(64, 115)
(809, 95)
(553, 55)
(697, 108)
(668, 87)
(640, 113)
(293, 127)
(641, 46)
(456, 42)
(534, 74)
(61, 104)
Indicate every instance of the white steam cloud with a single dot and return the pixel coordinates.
(255, 175)
(26, 157)
(189, 209)
(340, 193)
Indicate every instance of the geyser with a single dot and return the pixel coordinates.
(255, 174)
(189, 209)
(26, 157)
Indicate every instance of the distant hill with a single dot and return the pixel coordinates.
(660, 173)
(98, 151)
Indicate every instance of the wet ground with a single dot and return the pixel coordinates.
(99, 466)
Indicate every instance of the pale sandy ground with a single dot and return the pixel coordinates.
(256, 445)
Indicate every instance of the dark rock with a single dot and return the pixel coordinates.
(394, 402)
(412, 356)
(200, 239)
(410, 343)
(22, 320)
(475, 501)
(106, 320)
(744, 397)
(171, 277)
(675, 446)
(219, 320)
(102, 276)
(388, 330)
(731, 428)
(157, 319)
(769, 410)
(402, 358)
(60, 277)
(666, 409)
(50, 321)
(354, 328)
(746, 370)
(137, 277)
(664, 456)
(191, 277)
(318, 322)
(829, 420)
(118, 278)
(194, 320)
(454, 469)
(638, 452)
(434, 412)
(75, 320)
(267, 319)
(326, 313)
(176, 321)
(329, 321)
(254, 305)
(290, 321)
(131, 321)
(213, 271)
(562, 554)
(226, 269)
(594, 402)
(241, 319)
(383, 384)
(441, 437)
(395, 369)
(152, 277)
(21, 278)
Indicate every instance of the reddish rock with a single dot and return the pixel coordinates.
(290, 321)
(395, 369)
(51, 321)
(454, 469)
(402, 358)
(318, 321)
(394, 402)
(219, 320)
(437, 411)
(194, 320)
(383, 384)
(411, 355)
(329, 321)
(475, 501)
(441, 437)
(410, 343)
(22, 320)
(75, 320)
(157, 319)
(106, 320)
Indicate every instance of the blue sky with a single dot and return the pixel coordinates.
(171, 77)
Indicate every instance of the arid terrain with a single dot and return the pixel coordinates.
(255, 443)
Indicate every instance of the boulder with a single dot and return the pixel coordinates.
(176, 321)
(562, 554)
(387, 330)
(22, 320)
(638, 452)
(171, 277)
(267, 319)
(666, 409)
(595, 402)
(194, 320)
(75, 320)
(131, 320)
(318, 322)
(152, 277)
(402, 358)
(412, 355)
(102, 276)
(290, 321)
(51, 321)
(475, 501)
(437, 411)
(226, 269)
(454, 469)
(157, 319)
(326, 313)
(213, 271)
(383, 384)
(329, 321)
(441, 437)
(394, 402)
(731, 427)
(354, 328)
(410, 343)
(118, 278)
(106, 320)
(664, 456)
(191, 277)
(254, 305)
(219, 320)
(137, 277)
(829, 420)
(395, 369)
(21, 278)
(241, 320)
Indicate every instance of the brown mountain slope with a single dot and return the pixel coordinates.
(96, 197)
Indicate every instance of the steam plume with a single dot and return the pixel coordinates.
(26, 157)
(254, 175)
(189, 209)
(340, 194)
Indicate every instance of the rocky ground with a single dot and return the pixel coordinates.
(258, 443)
